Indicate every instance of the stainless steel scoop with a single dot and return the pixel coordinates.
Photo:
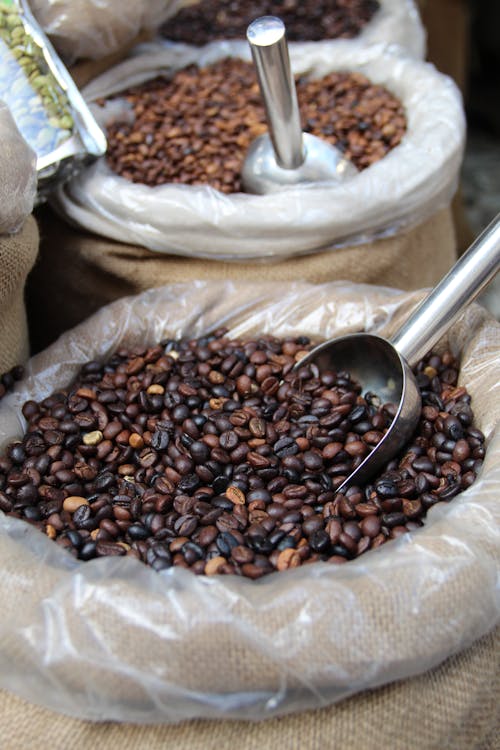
(384, 367)
(285, 155)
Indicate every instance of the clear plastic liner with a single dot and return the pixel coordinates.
(17, 174)
(96, 28)
(395, 22)
(404, 188)
(113, 639)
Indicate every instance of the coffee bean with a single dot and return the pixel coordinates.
(319, 541)
(109, 549)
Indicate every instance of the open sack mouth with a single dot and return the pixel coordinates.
(203, 640)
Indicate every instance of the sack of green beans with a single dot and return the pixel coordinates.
(18, 238)
(324, 22)
(166, 205)
(151, 571)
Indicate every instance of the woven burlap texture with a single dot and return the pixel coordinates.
(17, 256)
(77, 273)
(453, 707)
(18, 180)
(116, 640)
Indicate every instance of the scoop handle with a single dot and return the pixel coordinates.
(465, 280)
(267, 38)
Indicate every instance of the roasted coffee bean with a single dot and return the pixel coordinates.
(137, 532)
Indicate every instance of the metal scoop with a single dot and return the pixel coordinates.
(285, 155)
(384, 367)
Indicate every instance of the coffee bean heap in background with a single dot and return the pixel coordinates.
(196, 128)
(9, 379)
(305, 20)
(214, 455)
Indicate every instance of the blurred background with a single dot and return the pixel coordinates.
(463, 39)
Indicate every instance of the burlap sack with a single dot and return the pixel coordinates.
(17, 174)
(77, 272)
(17, 256)
(111, 639)
(453, 707)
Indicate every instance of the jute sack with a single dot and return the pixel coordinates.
(455, 706)
(77, 272)
(17, 256)
(111, 639)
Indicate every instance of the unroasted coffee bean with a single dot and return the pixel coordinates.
(227, 480)
(305, 20)
(197, 127)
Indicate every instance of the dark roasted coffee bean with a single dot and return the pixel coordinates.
(319, 541)
(88, 550)
(393, 519)
(137, 532)
(286, 446)
(160, 440)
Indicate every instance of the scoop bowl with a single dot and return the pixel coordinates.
(384, 367)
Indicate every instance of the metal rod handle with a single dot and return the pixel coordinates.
(461, 285)
(266, 36)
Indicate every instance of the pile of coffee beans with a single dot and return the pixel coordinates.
(219, 456)
(305, 20)
(196, 128)
(9, 379)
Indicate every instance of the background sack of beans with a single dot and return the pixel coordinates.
(94, 29)
(411, 243)
(409, 184)
(72, 636)
(324, 22)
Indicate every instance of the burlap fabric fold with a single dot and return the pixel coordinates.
(453, 707)
(78, 272)
(17, 256)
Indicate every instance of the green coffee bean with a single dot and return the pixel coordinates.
(17, 33)
(12, 21)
